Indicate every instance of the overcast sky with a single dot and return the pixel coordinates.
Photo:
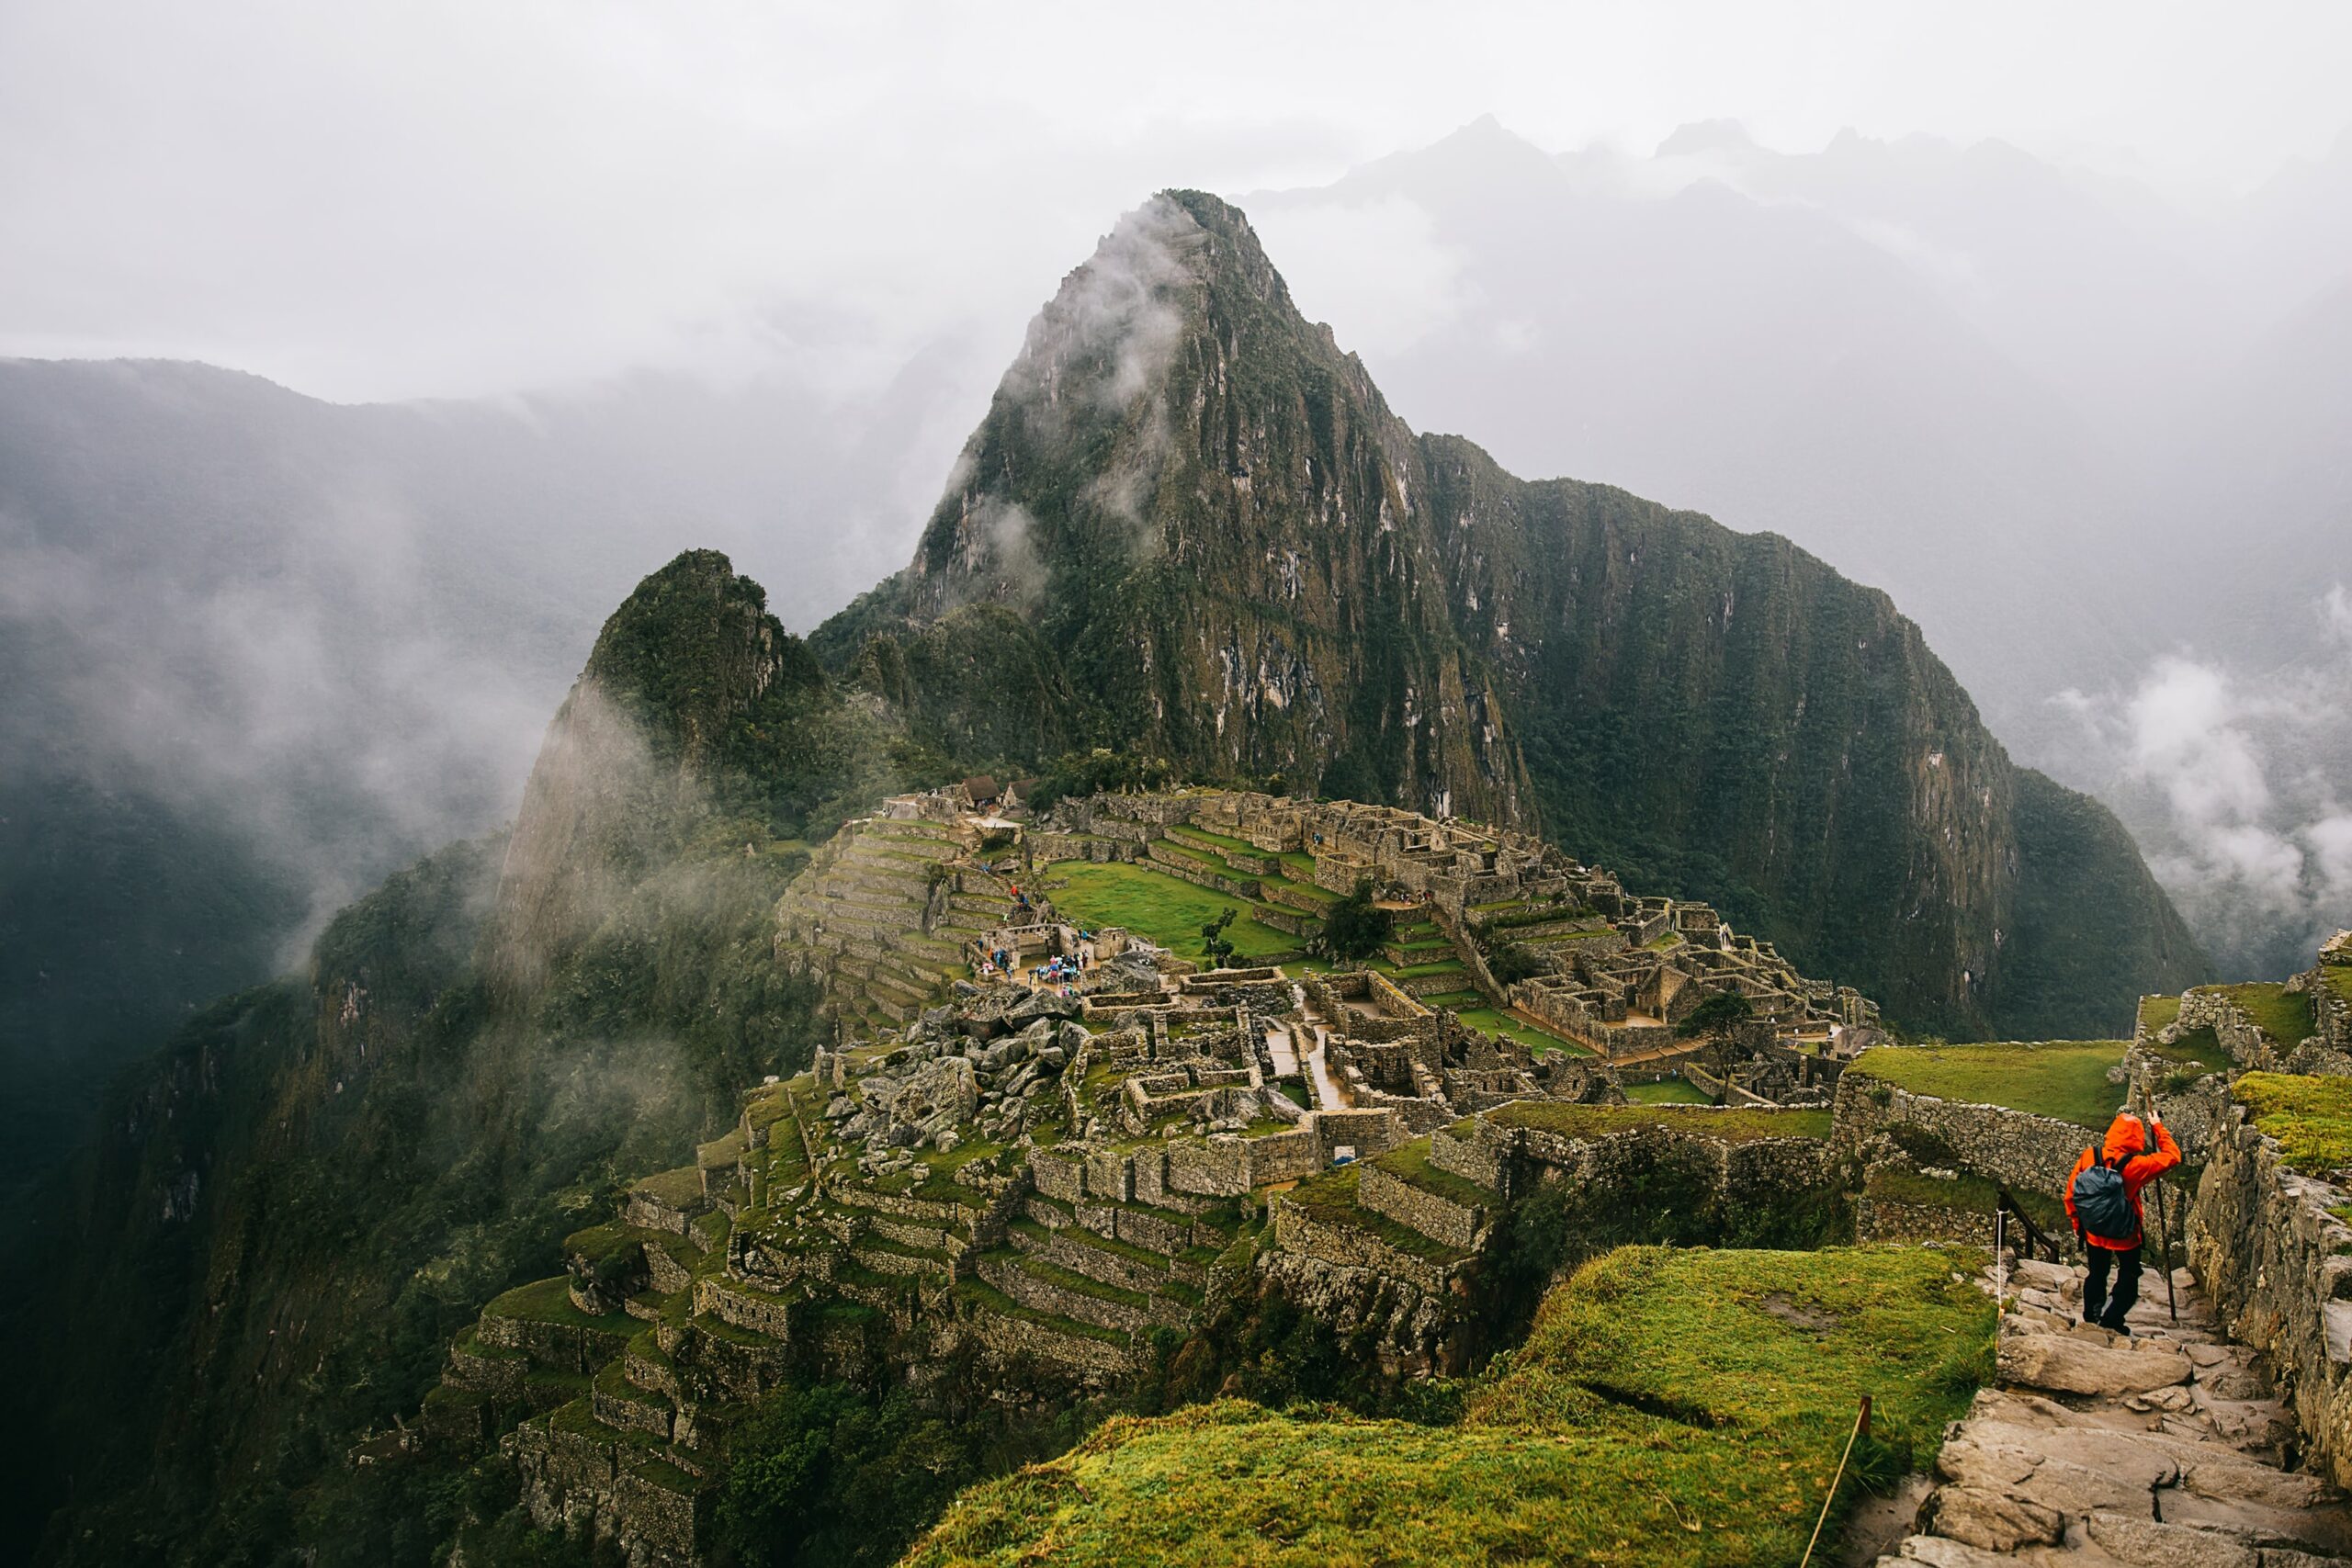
(382, 200)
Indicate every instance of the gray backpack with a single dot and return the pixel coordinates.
(2102, 1207)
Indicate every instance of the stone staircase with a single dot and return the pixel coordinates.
(2165, 1447)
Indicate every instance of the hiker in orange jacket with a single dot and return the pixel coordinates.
(2115, 1240)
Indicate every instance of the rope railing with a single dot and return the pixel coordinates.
(1861, 1426)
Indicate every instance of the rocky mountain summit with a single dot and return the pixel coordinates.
(1193, 524)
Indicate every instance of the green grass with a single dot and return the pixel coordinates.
(2284, 1015)
(1680, 1408)
(1488, 1021)
(1668, 1091)
(2199, 1047)
(2066, 1079)
(1330, 1198)
(1741, 1126)
(549, 1301)
(2310, 1117)
(1410, 1163)
(678, 1189)
(2158, 1012)
(1162, 908)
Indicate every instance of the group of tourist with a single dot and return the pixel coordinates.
(1060, 973)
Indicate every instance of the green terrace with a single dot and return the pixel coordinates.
(1534, 1036)
(1685, 1408)
(2158, 1012)
(1330, 1198)
(2066, 1079)
(2310, 1117)
(2285, 1016)
(1163, 909)
(1742, 1124)
(1667, 1091)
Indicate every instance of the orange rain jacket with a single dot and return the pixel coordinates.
(2126, 1137)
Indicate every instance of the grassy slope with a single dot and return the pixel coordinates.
(2066, 1080)
(1162, 908)
(2310, 1117)
(1660, 1412)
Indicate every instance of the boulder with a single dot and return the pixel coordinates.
(1996, 1521)
(2065, 1363)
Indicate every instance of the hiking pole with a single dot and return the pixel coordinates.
(2164, 1225)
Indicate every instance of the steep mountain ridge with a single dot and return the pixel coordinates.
(291, 1207)
(1189, 531)
(1202, 519)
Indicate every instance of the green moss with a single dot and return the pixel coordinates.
(2310, 1117)
(2066, 1079)
(1679, 1408)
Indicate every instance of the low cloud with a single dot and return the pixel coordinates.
(2232, 785)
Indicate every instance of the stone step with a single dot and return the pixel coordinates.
(2161, 1447)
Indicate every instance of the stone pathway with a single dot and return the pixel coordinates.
(2165, 1449)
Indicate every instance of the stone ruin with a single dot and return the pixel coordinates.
(1033, 1182)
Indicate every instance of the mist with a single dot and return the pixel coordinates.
(363, 359)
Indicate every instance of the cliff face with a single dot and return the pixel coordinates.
(1212, 521)
(689, 657)
(291, 1206)
(1197, 531)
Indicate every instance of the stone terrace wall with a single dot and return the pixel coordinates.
(2278, 1266)
(2014, 1147)
(2246, 1044)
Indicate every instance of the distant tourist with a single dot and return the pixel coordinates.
(2103, 1201)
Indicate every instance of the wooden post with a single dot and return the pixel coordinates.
(2163, 1227)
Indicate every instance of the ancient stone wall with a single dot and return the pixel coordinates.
(1458, 1226)
(2239, 1035)
(2267, 1246)
(2013, 1147)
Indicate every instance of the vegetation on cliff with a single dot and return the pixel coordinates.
(322, 1179)
(1670, 1406)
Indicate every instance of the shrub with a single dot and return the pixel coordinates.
(1355, 927)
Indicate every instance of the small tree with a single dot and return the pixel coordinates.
(1720, 1014)
(1511, 961)
(1213, 945)
(1356, 928)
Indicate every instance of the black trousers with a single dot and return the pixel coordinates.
(2098, 1306)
